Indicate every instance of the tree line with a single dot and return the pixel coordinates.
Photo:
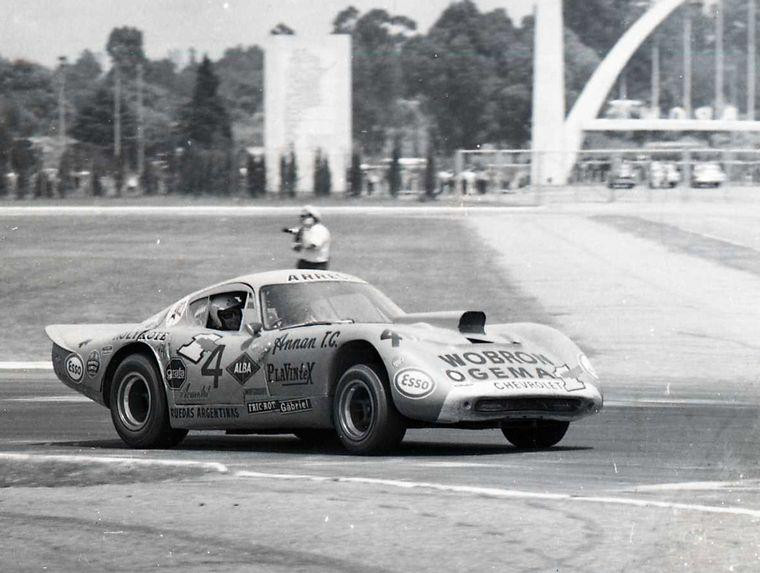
(464, 83)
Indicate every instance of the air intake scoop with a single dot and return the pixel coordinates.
(473, 322)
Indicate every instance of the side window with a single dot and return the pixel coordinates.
(199, 311)
(225, 311)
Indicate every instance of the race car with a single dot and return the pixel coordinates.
(319, 354)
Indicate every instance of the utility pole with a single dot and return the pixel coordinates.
(751, 79)
(140, 127)
(656, 76)
(687, 60)
(116, 111)
(719, 59)
(62, 103)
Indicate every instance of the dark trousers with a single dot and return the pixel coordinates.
(302, 264)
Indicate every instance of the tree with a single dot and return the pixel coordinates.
(97, 184)
(430, 175)
(204, 120)
(284, 174)
(282, 29)
(376, 40)
(355, 175)
(94, 122)
(148, 181)
(394, 171)
(125, 46)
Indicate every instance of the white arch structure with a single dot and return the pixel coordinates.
(556, 143)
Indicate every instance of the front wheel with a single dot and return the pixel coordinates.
(138, 406)
(366, 420)
(534, 434)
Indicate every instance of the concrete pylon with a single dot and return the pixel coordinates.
(548, 94)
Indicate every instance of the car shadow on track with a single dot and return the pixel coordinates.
(292, 445)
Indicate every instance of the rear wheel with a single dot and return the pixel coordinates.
(534, 434)
(138, 406)
(366, 420)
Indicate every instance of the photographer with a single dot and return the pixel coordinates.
(311, 241)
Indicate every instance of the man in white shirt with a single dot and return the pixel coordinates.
(312, 241)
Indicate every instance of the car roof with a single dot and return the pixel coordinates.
(287, 276)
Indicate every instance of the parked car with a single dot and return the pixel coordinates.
(663, 174)
(708, 174)
(623, 176)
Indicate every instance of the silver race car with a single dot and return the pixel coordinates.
(316, 354)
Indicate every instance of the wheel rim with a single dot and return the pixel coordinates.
(357, 410)
(134, 401)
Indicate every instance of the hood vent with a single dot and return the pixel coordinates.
(473, 322)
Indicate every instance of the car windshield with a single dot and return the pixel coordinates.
(286, 305)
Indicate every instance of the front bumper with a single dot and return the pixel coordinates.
(473, 405)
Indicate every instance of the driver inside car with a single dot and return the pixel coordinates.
(225, 312)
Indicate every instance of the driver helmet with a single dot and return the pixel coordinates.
(225, 312)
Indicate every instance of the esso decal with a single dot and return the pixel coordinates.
(586, 365)
(414, 383)
(74, 368)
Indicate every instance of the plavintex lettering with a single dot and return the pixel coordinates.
(291, 374)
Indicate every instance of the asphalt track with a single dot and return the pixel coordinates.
(643, 486)
(661, 480)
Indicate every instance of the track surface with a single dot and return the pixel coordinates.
(667, 477)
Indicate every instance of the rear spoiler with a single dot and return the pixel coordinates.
(73, 336)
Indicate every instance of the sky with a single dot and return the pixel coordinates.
(43, 30)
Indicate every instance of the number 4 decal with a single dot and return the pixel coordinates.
(216, 371)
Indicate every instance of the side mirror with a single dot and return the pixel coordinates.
(254, 328)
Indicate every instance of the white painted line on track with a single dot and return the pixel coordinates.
(674, 403)
(753, 484)
(83, 459)
(471, 490)
(510, 494)
(253, 210)
(46, 399)
(41, 365)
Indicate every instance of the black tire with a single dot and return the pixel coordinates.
(534, 434)
(138, 406)
(365, 418)
(315, 438)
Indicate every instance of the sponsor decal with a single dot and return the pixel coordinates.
(291, 374)
(106, 350)
(317, 276)
(496, 365)
(201, 343)
(329, 340)
(398, 361)
(284, 343)
(204, 413)
(142, 335)
(529, 385)
(569, 377)
(176, 312)
(193, 393)
(394, 337)
(176, 373)
(242, 368)
(281, 406)
(414, 383)
(93, 364)
(74, 368)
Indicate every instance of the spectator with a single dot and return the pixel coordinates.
(312, 240)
